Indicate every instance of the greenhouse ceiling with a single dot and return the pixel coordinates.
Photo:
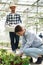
(34, 7)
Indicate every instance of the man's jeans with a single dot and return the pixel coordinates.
(33, 52)
(14, 40)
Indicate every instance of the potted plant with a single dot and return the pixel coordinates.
(17, 60)
(25, 61)
(0, 60)
(5, 57)
(21, 61)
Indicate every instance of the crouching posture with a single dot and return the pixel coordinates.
(31, 45)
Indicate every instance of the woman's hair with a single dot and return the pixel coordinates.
(18, 28)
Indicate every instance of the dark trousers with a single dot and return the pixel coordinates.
(14, 40)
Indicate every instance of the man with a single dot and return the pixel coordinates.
(31, 45)
(12, 20)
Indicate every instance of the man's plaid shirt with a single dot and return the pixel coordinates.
(13, 19)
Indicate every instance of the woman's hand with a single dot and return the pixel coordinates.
(19, 54)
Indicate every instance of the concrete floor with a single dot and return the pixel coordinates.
(37, 64)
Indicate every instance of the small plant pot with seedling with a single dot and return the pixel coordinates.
(25, 61)
(18, 60)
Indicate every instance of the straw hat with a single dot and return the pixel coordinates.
(12, 5)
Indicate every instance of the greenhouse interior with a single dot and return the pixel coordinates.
(31, 15)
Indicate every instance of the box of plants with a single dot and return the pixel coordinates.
(11, 59)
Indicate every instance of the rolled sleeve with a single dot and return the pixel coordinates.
(20, 19)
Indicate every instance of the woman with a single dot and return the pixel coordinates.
(31, 45)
